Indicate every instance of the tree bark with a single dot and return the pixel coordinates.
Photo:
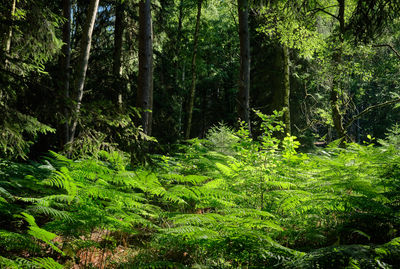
(337, 60)
(118, 39)
(64, 62)
(244, 76)
(145, 78)
(84, 60)
(7, 40)
(179, 82)
(279, 81)
(193, 85)
(286, 87)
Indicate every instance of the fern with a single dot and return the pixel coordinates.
(40, 233)
(46, 263)
(62, 179)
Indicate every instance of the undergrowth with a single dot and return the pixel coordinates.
(228, 201)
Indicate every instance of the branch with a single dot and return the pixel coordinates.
(390, 47)
(315, 10)
(369, 109)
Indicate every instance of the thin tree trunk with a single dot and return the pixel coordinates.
(244, 77)
(64, 62)
(179, 83)
(7, 40)
(84, 60)
(286, 85)
(145, 78)
(178, 41)
(118, 34)
(337, 59)
(193, 86)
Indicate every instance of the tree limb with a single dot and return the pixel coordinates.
(324, 11)
(390, 47)
(369, 109)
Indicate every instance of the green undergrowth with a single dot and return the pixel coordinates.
(227, 201)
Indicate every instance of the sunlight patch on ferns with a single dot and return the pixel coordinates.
(39, 233)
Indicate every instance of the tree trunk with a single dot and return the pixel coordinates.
(84, 60)
(118, 34)
(64, 62)
(193, 86)
(244, 77)
(337, 60)
(7, 40)
(286, 87)
(177, 48)
(279, 82)
(179, 82)
(145, 78)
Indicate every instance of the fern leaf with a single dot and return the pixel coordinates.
(46, 263)
(40, 233)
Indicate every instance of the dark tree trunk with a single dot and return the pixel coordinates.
(177, 48)
(64, 63)
(118, 38)
(286, 89)
(244, 77)
(178, 81)
(193, 86)
(337, 60)
(84, 60)
(8, 37)
(280, 84)
(145, 78)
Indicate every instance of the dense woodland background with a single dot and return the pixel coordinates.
(188, 133)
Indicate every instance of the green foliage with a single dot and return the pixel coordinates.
(230, 201)
(46, 263)
(285, 21)
(222, 139)
(18, 133)
(33, 39)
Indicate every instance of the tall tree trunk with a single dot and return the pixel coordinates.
(193, 86)
(280, 84)
(7, 40)
(177, 62)
(177, 48)
(64, 62)
(118, 34)
(337, 60)
(286, 86)
(244, 77)
(145, 78)
(84, 60)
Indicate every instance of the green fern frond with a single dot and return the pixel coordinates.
(52, 212)
(59, 160)
(218, 183)
(6, 195)
(39, 233)
(46, 263)
(9, 263)
(63, 180)
(247, 212)
(279, 185)
(193, 179)
(11, 241)
(184, 192)
(226, 170)
(192, 232)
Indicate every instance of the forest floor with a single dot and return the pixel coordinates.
(223, 202)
